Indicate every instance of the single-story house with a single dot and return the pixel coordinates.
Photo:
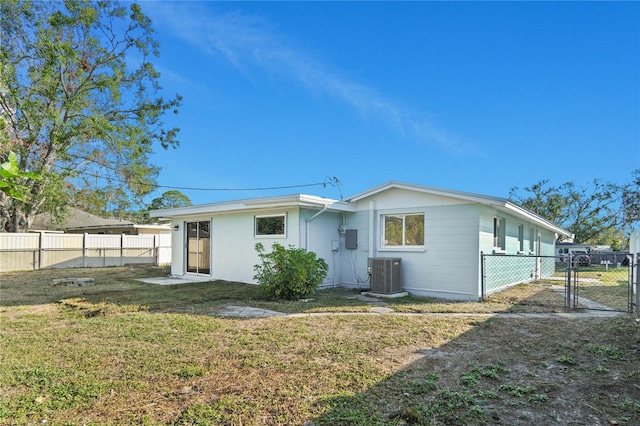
(437, 234)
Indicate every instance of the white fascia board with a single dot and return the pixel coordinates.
(298, 200)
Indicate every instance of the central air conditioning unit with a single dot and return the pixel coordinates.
(384, 275)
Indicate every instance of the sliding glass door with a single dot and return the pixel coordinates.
(198, 247)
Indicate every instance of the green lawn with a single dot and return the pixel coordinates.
(124, 352)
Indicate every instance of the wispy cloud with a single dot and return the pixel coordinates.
(253, 44)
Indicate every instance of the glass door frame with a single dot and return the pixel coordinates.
(200, 241)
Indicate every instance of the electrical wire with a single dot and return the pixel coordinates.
(327, 181)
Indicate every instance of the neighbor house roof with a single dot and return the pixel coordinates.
(502, 204)
(75, 218)
(79, 220)
(280, 201)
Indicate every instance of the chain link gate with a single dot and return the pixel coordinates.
(603, 282)
(558, 283)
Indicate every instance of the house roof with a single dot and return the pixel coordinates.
(348, 205)
(295, 200)
(502, 204)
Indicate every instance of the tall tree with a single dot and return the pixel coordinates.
(81, 101)
(590, 213)
(170, 199)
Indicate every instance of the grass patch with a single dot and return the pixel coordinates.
(125, 352)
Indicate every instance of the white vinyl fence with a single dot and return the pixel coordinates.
(22, 252)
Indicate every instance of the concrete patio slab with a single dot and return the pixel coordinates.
(171, 280)
(247, 312)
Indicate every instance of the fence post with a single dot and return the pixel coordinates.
(637, 287)
(567, 302)
(156, 251)
(482, 278)
(84, 250)
(40, 241)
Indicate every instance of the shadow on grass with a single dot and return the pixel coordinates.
(507, 371)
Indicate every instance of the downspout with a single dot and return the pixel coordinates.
(306, 230)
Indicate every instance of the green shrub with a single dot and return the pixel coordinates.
(289, 273)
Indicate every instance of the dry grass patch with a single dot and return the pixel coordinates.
(125, 352)
(62, 366)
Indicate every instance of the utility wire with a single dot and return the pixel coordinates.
(327, 181)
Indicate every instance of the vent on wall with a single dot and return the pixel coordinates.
(385, 274)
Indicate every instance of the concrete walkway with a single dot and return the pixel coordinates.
(251, 312)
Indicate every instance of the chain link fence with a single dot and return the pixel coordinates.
(535, 282)
(561, 283)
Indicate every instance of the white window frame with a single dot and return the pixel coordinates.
(499, 237)
(264, 216)
(403, 246)
(532, 240)
(521, 239)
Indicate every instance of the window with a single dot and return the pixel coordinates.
(532, 238)
(270, 225)
(498, 233)
(403, 230)
(520, 238)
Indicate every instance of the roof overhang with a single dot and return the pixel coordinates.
(283, 201)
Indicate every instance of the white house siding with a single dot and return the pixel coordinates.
(177, 247)
(448, 265)
(321, 231)
(353, 262)
(233, 254)
(233, 243)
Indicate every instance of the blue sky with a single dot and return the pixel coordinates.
(478, 97)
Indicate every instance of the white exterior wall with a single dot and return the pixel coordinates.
(321, 232)
(456, 232)
(233, 253)
(233, 243)
(353, 262)
(448, 265)
(178, 247)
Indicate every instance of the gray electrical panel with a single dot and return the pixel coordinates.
(351, 239)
